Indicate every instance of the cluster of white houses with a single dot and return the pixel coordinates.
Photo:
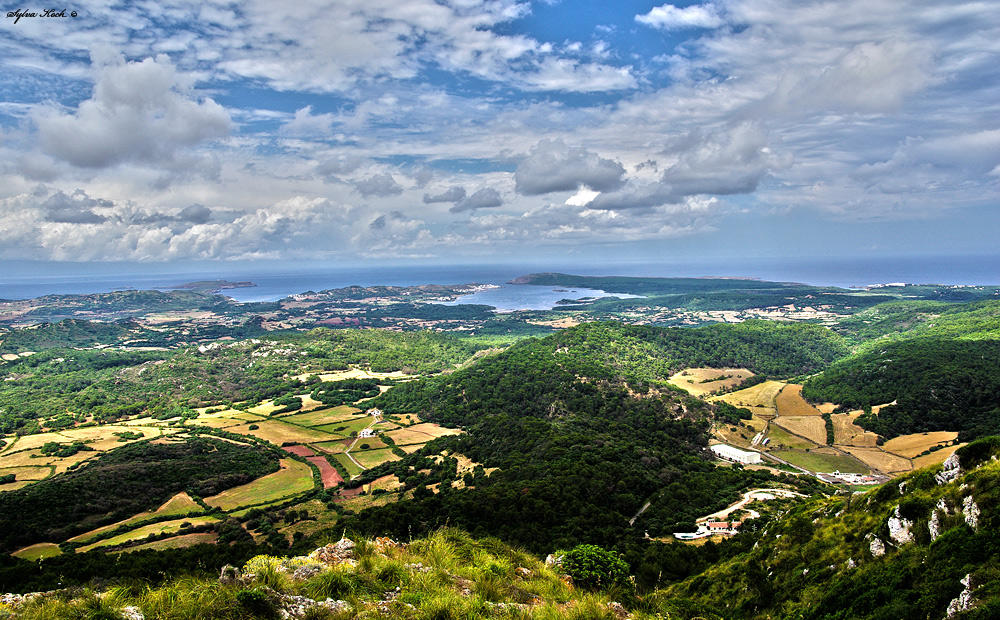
(735, 455)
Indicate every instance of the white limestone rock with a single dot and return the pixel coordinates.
(877, 548)
(971, 512)
(950, 470)
(899, 529)
(964, 602)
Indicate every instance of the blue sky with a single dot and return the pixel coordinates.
(491, 130)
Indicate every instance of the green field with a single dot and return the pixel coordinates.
(324, 416)
(822, 462)
(371, 458)
(37, 552)
(294, 477)
(168, 527)
(348, 464)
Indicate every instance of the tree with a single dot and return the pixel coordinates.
(592, 567)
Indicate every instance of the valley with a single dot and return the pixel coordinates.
(590, 423)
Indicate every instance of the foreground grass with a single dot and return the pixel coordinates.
(445, 576)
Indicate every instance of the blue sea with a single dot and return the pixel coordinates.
(25, 280)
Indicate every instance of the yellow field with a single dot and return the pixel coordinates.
(354, 373)
(701, 381)
(177, 505)
(293, 478)
(277, 432)
(847, 433)
(882, 461)
(759, 396)
(410, 449)
(789, 402)
(332, 447)
(342, 413)
(432, 429)
(178, 542)
(371, 458)
(144, 531)
(26, 473)
(912, 445)
(811, 427)
(36, 552)
(935, 458)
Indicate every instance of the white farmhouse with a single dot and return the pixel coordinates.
(736, 455)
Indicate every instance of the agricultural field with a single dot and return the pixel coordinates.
(278, 432)
(177, 542)
(880, 460)
(163, 527)
(323, 416)
(847, 433)
(811, 427)
(780, 438)
(759, 398)
(371, 458)
(38, 552)
(293, 478)
(910, 446)
(702, 381)
(789, 402)
(420, 433)
(177, 505)
(824, 461)
(354, 373)
(935, 458)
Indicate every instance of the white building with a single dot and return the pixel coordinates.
(736, 455)
(367, 433)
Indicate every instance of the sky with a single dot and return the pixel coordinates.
(485, 131)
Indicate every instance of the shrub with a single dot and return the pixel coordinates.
(592, 567)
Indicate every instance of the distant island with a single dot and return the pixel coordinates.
(209, 286)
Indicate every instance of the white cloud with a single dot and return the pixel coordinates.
(553, 166)
(670, 17)
(139, 113)
(485, 198)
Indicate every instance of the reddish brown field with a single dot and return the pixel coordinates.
(300, 450)
(331, 477)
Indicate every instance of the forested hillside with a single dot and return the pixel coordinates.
(61, 387)
(584, 432)
(936, 384)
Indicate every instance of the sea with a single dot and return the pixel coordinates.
(26, 280)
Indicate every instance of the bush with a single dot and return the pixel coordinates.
(592, 567)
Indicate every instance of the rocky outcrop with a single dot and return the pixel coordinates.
(971, 512)
(899, 529)
(964, 601)
(951, 469)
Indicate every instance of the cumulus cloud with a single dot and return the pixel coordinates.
(670, 17)
(552, 166)
(452, 194)
(486, 198)
(380, 185)
(138, 113)
(75, 209)
(730, 161)
(305, 124)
